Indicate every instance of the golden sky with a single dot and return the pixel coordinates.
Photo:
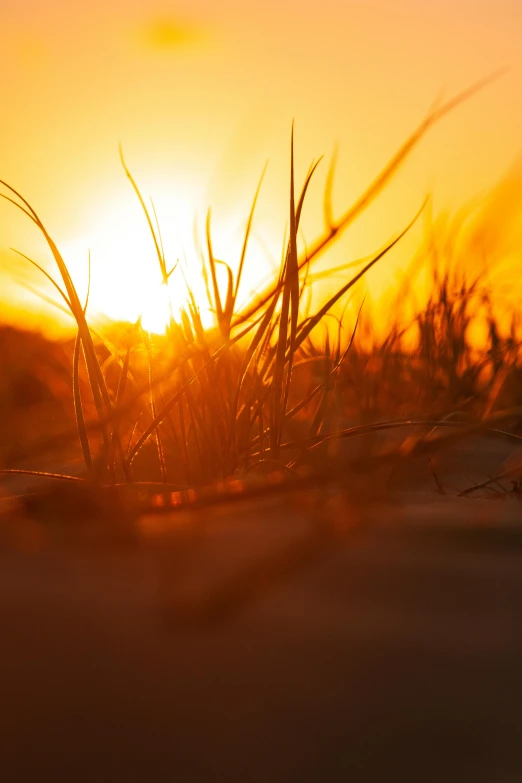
(201, 94)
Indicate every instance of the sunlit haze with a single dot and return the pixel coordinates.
(200, 95)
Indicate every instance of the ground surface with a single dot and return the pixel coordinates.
(250, 643)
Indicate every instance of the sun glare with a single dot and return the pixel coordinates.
(126, 280)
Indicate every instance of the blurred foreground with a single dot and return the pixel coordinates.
(297, 639)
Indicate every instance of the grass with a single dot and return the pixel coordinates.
(270, 391)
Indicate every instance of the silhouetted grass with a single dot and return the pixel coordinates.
(261, 393)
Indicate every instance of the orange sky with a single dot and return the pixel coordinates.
(201, 93)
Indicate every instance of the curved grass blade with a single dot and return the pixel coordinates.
(78, 409)
(47, 275)
(157, 243)
(247, 234)
(312, 322)
(378, 184)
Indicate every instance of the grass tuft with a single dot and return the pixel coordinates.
(262, 390)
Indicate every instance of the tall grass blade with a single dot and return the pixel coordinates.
(78, 409)
(312, 322)
(247, 234)
(334, 231)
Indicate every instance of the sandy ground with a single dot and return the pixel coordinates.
(257, 643)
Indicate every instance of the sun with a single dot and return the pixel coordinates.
(126, 282)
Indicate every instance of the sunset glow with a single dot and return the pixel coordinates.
(126, 280)
(260, 368)
(197, 127)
